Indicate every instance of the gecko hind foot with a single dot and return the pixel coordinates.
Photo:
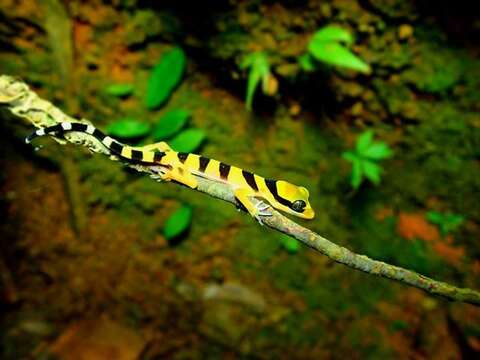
(159, 174)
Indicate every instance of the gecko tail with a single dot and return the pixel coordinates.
(35, 134)
(115, 147)
(64, 127)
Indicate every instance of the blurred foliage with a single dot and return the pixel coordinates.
(170, 123)
(326, 46)
(259, 72)
(188, 140)
(290, 244)
(165, 77)
(446, 222)
(128, 128)
(119, 90)
(365, 158)
(178, 222)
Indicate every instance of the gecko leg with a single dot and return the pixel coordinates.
(159, 146)
(177, 174)
(256, 210)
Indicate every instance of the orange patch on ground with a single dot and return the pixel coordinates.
(476, 267)
(450, 253)
(98, 339)
(415, 226)
(82, 34)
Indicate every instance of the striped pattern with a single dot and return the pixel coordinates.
(203, 164)
(114, 146)
(250, 179)
(224, 171)
(272, 187)
(238, 178)
(234, 175)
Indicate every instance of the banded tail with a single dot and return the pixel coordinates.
(115, 147)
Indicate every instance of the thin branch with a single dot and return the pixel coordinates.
(24, 103)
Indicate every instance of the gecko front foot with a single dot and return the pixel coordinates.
(261, 210)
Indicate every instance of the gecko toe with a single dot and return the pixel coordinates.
(263, 209)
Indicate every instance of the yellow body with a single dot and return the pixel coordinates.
(184, 167)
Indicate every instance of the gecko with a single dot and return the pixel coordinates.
(184, 168)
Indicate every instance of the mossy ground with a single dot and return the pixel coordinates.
(422, 99)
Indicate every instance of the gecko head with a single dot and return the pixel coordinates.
(294, 200)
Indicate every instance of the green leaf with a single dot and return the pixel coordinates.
(259, 70)
(290, 244)
(435, 217)
(378, 151)
(332, 34)
(170, 123)
(452, 222)
(252, 83)
(128, 128)
(307, 63)
(178, 222)
(120, 90)
(350, 156)
(364, 141)
(446, 222)
(356, 178)
(336, 54)
(164, 77)
(371, 171)
(188, 140)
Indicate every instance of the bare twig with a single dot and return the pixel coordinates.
(21, 101)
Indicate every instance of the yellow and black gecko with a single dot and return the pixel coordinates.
(185, 167)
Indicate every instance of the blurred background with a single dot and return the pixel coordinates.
(371, 105)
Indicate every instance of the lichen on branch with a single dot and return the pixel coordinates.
(24, 103)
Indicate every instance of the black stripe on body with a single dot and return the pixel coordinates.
(250, 179)
(203, 164)
(182, 156)
(157, 156)
(224, 170)
(77, 127)
(116, 147)
(55, 129)
(137, 155)
(272, 186)
(98, 134)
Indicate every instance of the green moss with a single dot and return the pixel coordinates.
(144, 24)
(370, 345)
(437, 69)
(290, 273)
(253, 243)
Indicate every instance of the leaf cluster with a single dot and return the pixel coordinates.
(164, 78)
(329, 45)
(259, 71)
(446, 222)
(365, 157)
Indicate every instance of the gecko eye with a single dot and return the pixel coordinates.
(298, 205)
